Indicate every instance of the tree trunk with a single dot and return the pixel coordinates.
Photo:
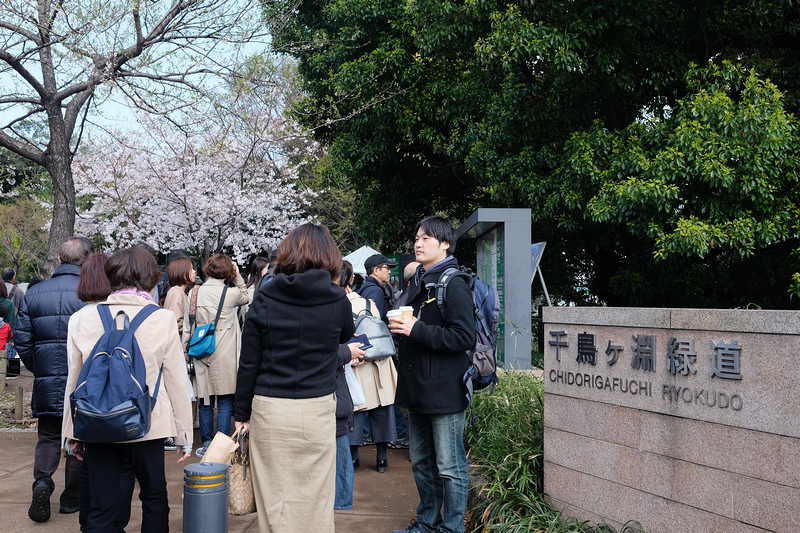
(58, 164)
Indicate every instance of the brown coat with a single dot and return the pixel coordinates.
(161, 348)
(378, 379)
(216, 374)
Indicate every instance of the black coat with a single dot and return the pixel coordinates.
(344, 402)
(41, 337)
(371, 289)
(433, 358)
(291, 338)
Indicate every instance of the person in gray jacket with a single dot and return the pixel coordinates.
(41, 340)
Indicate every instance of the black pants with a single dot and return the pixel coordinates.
(47, 456)
(126, 483)
(106, 465)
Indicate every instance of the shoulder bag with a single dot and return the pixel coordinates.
(203, 341)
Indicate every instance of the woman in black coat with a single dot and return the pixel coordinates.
(286, 384)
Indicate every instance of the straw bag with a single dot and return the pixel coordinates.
(241, 499)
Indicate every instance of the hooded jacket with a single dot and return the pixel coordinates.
(291, 338)
(41, 337)
(433, 357)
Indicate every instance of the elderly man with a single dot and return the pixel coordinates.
(41, 340)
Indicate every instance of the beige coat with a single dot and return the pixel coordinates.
(216, 374)
(378, 379)
(161, 348)
(176, 301)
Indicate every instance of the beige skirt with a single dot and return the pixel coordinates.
(293, 458)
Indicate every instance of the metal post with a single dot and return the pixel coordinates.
(205, 498)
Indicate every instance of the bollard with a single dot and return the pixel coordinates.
(205, 498)
(18, 404)
(3, 368)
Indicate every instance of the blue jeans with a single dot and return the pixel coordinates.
(345, 476)
(439, 464)
(206, 416)
(400, 422)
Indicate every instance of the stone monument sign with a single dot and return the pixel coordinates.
(686, 420)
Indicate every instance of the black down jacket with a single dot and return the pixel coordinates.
(41, 337)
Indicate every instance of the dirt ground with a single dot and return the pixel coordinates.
(8, 402)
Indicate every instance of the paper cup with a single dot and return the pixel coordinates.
(393, 313)
(407, 310)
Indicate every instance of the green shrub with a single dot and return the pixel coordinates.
(506, 450)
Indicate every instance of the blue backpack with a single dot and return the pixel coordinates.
(111, 402)
(483, 371)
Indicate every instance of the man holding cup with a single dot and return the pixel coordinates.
(433, 360)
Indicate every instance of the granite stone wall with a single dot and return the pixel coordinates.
(686, 420)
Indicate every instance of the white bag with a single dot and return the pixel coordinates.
(355, 388)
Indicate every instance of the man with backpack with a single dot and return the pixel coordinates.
(41, 340)
(433, 355)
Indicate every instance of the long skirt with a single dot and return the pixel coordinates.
(293, 459)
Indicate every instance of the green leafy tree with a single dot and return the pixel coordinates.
(23, 236)
(445, 106)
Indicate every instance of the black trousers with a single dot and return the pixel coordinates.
(126, 483)
(106, 466)
(48, 455)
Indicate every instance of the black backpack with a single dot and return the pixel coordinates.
(482, 372)
(111, 402)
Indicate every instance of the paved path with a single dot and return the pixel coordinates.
(382, 502)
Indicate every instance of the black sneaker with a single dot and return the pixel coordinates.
(399, 444)
(169, 444)
(39, 510)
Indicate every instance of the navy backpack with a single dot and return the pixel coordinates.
(111, 402)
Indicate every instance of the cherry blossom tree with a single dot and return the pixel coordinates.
(59, 61)
(218, 190)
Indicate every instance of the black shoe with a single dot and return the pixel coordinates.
(64, 509)
(39, 510)
(356, 463)
(383, 466)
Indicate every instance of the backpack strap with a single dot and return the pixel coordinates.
(367, 310)
(109, 323)
(444, 279)
(193, 305)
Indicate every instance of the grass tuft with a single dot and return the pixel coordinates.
(506, 452)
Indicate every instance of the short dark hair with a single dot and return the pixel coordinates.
(346, 273)
(132, 268)
(440, 229)
(75, 250)
(307, 247)
(94, 285)
(179, 271)
(219, 266)
(34, 280)
(8, 274)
